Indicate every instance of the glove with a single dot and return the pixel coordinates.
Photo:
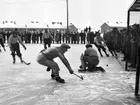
(71, 71)
(24, 47)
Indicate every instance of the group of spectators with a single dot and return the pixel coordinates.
(132, 46)
(83, 37)
(127, 42)
(115, 40)
(58, 36)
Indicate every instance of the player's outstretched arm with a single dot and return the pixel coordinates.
(66, 63)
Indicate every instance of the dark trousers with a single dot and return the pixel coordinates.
(100, 47)
(16, 49)
(47, 42)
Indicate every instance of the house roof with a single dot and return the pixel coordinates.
(8, 25)
(36, 25)
(58, 26)
(73, 28)
(1, 25)
(116, 24)
(21, 26)
(135, 6)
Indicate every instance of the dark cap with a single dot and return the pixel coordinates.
(65, 46)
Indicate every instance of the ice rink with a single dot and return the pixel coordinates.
(22, 84)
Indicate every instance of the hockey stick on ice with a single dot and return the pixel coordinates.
(26, 62)
(81, 77)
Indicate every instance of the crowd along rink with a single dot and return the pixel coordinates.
(22, 84)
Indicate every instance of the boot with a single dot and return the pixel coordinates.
(115, 54)
(112, 53)
(106, 53)
(53, 76)
(100, 53)
(59, 79)
(14, 60)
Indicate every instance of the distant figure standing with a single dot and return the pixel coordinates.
(47, 39)
(13, 43)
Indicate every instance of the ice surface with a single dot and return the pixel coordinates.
(31, 85)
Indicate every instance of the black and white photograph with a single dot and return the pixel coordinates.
(70, 52)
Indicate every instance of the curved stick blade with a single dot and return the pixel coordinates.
(81, 77)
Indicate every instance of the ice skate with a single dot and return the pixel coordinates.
(59, 79)
(14, 60)
(52, 76)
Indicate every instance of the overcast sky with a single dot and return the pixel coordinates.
(82, 13)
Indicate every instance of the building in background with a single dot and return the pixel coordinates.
(72, 28)
(107, 26)
(35, 25)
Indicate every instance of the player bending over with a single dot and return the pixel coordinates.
(90, 60)
(46, 56)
